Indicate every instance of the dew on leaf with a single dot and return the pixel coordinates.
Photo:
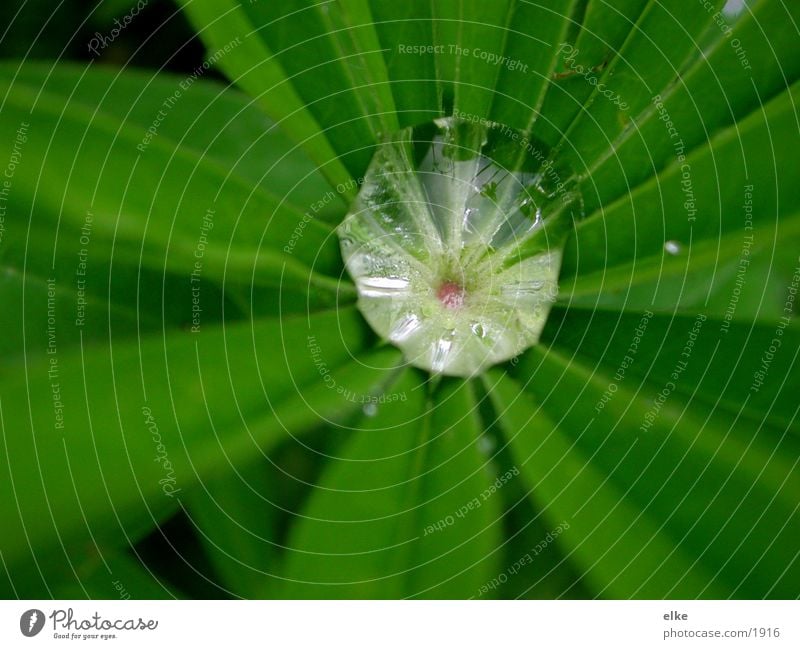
(486, 445)
(454, 242)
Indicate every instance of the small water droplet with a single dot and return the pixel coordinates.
(404, 327)
(478, 329)
(370, 409)
(672, 247)
(441, 349)
(382, 286)
(522, 289)
(486, 444)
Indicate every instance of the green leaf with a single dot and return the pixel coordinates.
(326, 53)
(600, 36)
(462, 32)
(116, 432)
(115, 576)
(710, 488)
(106, 11)
(161, 205)
(236, 518)
(216, 122)
(412, 74)
(531, 43)
(736, 276)
(747, 62)
(654, 427)
(674, 206)
(72, 241)
(403, 509)
(618, 549)
(648, 62)
(724, 358)
(236, 44)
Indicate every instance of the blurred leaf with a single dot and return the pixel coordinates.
(107, 10)
(236, 518)
(401, 511)
(116, 576)
(115, 432)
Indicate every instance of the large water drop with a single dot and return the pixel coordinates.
(454, 243)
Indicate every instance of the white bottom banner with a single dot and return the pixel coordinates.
(400, 624)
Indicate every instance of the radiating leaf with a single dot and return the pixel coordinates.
(470, 38)
(713, 482)
(328, 54)
(533, 38)
(737, 276)
(676, 206)
(642, 70)
(236, 43)
(618, 549)
(104, 437)
(405, 32)
(218, 123)
(600, 37)
(403, 510)
(748, 61)
(159, 204)
(724, 359)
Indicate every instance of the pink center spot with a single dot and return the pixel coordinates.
(451, 295)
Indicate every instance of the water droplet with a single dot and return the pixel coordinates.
(440, 352)
(672, 247)
(733, 8)
(370, 409)
(404, 327)
(382, 286)
(478, 329)
(486, 444)
(433, 243)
